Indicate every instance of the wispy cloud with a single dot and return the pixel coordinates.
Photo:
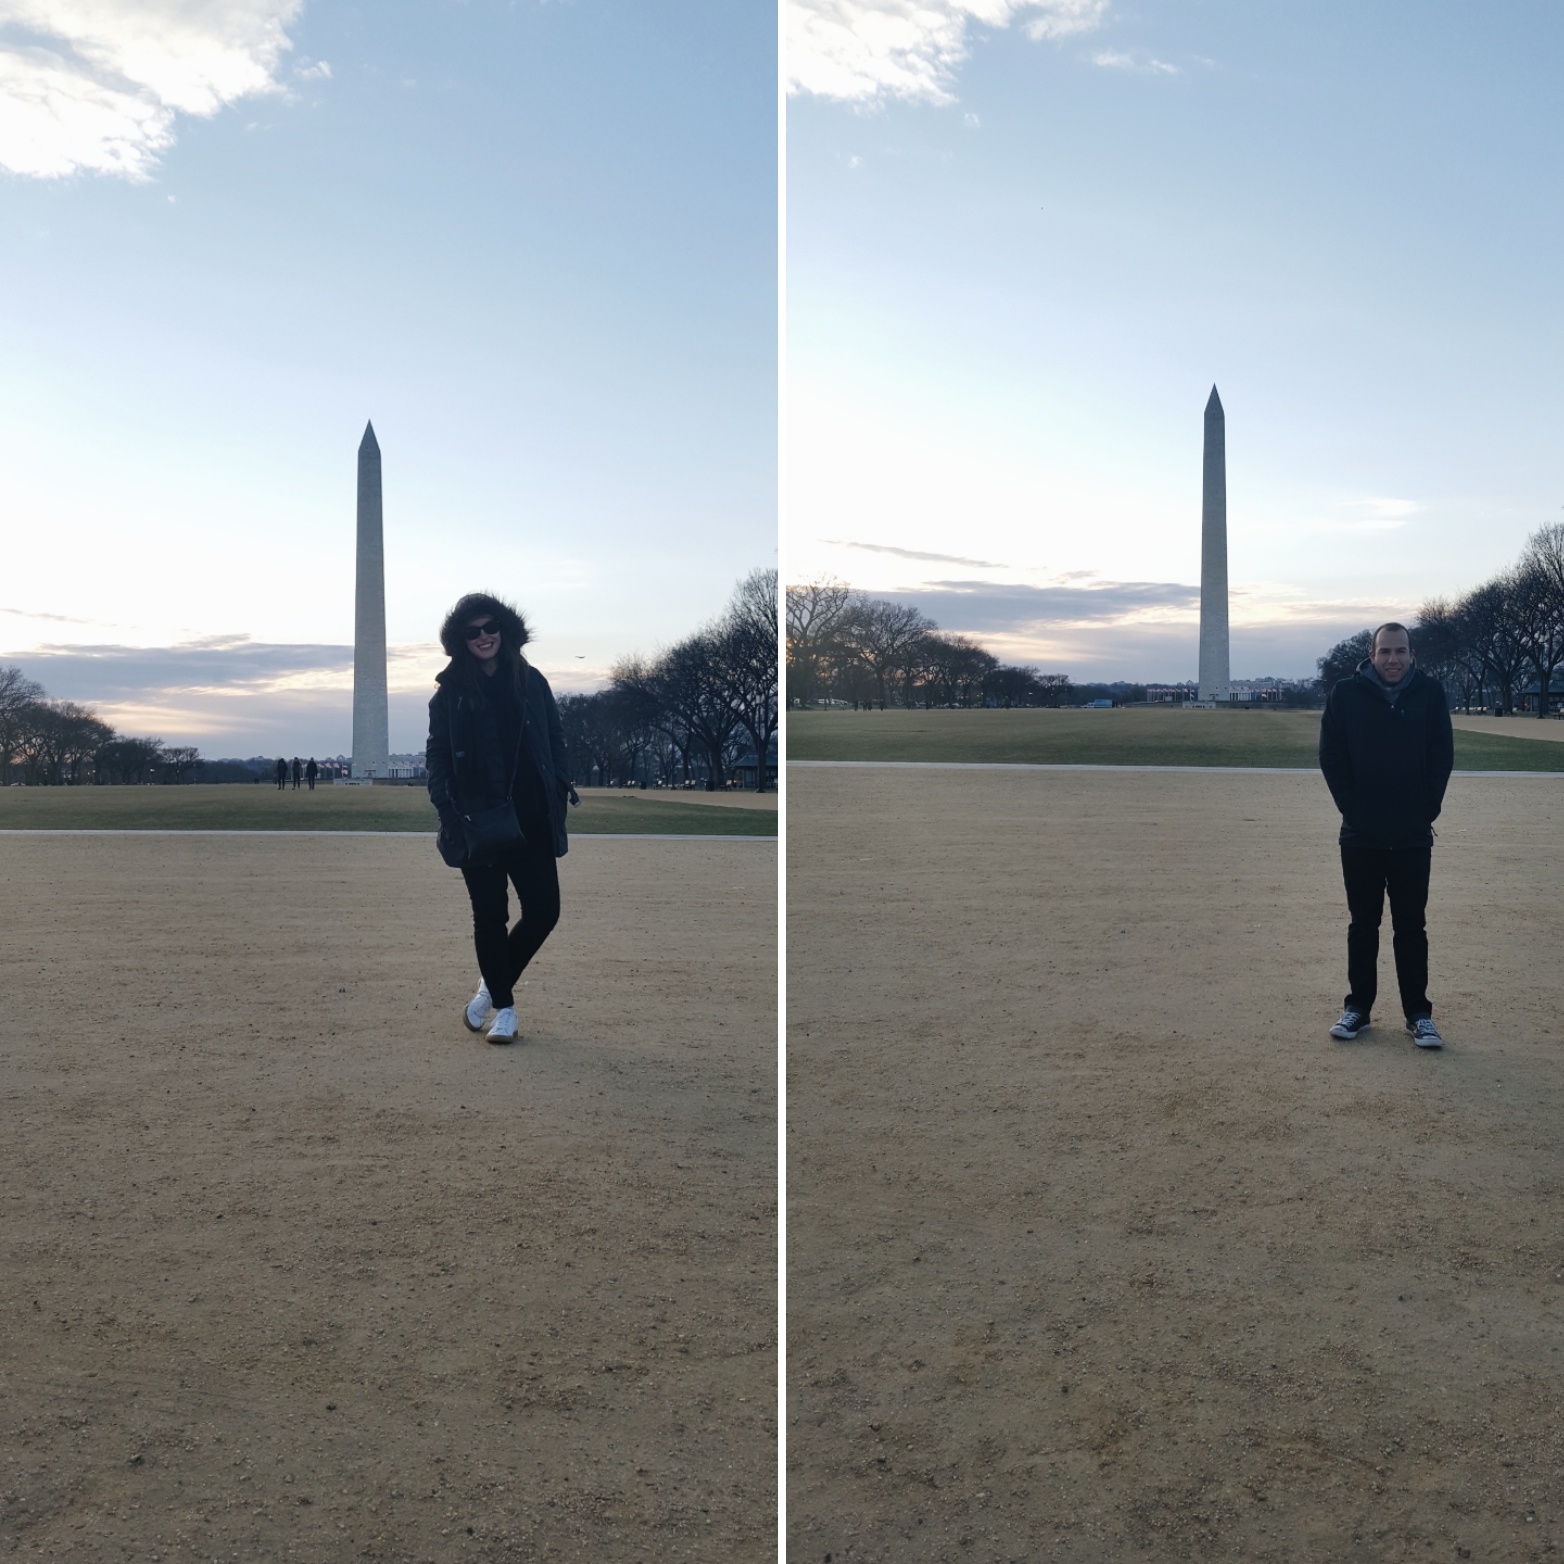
(1114, 60)
(110, 671)
(859, 51)
(59, 619)
(979, 606)
(237, 693)
(1374, 513)
(95, 86)
(910, 553)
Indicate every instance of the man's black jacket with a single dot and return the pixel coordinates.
(1387, 764)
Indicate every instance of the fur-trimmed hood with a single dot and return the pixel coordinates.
(513, 627)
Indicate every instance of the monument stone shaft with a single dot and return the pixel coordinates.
(1215, 675)
(371, 725)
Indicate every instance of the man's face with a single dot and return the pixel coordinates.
(1392, 655)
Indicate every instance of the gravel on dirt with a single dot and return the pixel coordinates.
(1099, 1247)
(295, 1267)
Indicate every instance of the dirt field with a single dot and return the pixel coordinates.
(294, 1267)
(1100, 1248)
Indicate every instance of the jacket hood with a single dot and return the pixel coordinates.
(513, 627)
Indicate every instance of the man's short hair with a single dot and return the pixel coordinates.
(1374, 639)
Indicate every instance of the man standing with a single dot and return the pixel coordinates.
(282, 773)
(1386, 750)
(311, 771)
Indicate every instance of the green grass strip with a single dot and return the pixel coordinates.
(1133, 737)
(237, 807)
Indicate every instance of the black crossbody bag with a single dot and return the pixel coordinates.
(490, 831)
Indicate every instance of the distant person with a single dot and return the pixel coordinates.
(311, 771)
(298, 772)
(282, 774)
(496, 763)
(1386, 749)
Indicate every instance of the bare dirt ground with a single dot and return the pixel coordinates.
(294, 1267)
(1100, 1247)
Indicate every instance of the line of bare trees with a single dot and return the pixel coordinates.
(53, 743)
(1501, 644)
(844, 645)
(694, 713)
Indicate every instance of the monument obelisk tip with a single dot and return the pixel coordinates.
(1215, 674)
(371, 738)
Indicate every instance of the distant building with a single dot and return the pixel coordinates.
(744, 767)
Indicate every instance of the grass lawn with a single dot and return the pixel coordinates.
(1132, 737)
(236, 807)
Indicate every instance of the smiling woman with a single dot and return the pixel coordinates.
(536, 242)
(500, 779)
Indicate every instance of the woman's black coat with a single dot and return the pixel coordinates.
(467, 767)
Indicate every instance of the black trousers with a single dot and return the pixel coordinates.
(534, 871)
(1369, 873)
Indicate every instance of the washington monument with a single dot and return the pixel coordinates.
(371, 727)
(1215, 679)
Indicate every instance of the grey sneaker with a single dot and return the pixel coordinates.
(478, 1010)
(1424, 1033)
(1352, 1022)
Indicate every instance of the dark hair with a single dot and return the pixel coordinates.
(1374, 639)
(514, 635)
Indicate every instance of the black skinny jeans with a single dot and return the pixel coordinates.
(1369, 872)
(534, 871)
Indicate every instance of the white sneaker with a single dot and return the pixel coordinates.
(478, 1009)
(506, 1028)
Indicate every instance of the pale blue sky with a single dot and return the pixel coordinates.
(1007, 309)
(535, 242)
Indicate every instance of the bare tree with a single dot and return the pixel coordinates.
(687, 686)
(815, 612)
(180, 760)
(17, 695)
(1539, 600)
(745, 646)
(125, 760)
(45, 738)
(83, 733)
(881, 635)
(1444, 649)
(1009, 686)
(1342, 660)
(961, 667)
(1490, 616)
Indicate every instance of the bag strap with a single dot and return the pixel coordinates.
(515, 770)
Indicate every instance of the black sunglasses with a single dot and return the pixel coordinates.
(472, 632)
